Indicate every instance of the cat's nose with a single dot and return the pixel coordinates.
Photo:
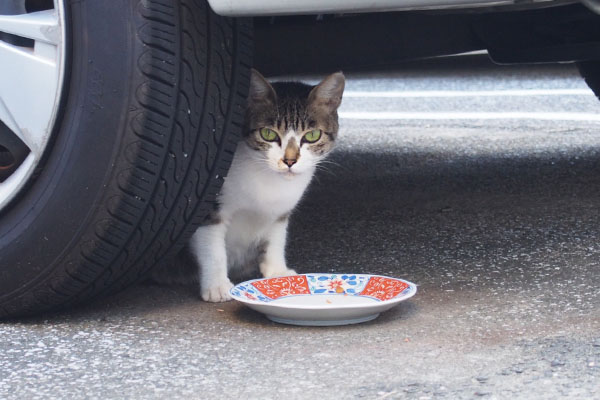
(289, 161)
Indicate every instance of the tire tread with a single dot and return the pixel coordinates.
(189, 89)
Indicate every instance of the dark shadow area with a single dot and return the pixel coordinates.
(458, 223)
(134, 302)
(447, 220)
(443, 68)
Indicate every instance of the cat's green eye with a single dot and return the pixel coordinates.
(313, 136)
(268, 134)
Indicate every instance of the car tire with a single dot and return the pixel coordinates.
(590, 71)
(151, 111)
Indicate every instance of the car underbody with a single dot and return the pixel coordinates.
(321, 43)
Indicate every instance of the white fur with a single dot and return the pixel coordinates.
(258, 191)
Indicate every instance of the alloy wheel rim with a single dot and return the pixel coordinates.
(32, 67)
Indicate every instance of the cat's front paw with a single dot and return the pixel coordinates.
(216, 293)
(269, 271)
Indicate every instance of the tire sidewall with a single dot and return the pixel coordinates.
(43, 224)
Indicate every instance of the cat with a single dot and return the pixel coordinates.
(289, 128)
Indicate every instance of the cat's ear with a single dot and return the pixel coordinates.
(328, 93)
(261, 91)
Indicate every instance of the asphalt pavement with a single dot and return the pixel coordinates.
(479, 183)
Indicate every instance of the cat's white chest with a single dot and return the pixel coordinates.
(250, 187)
(273, 198)
(252, 200)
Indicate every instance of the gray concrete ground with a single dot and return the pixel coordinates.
(496, 220)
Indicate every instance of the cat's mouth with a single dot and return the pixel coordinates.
(289, 173)
(286, 171)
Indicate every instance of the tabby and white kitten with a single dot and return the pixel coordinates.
(290, 127)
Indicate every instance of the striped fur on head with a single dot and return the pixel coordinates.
(292, 109)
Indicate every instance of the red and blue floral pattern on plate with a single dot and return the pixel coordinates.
(336, 283)
(382, 288)
(377, 287)
(275, 288)
(250, 292)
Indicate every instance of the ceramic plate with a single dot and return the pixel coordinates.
(323, 299)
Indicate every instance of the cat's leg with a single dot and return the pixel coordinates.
(208, 245)
(273, 260)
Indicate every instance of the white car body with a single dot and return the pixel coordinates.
(238, 8)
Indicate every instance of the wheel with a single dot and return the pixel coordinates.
(118, 120)
(590, 71)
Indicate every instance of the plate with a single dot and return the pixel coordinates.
(323, 299)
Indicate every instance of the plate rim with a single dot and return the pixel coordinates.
(392, 301)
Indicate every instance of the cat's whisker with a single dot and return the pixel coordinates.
(328, 164)
(262, 164)
(337, 167)
(324, 169)
(337, 164)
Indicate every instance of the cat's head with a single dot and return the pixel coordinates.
(292, 126)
